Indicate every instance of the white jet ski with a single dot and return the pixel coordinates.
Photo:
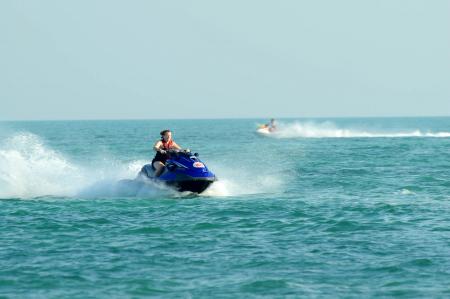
(263, 131)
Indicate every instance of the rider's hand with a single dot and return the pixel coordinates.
(162, 151)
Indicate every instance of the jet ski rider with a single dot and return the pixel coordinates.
(271, 126)
(161, 148)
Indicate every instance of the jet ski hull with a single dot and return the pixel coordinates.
(263, 131)
(195, 186)
(183, 172)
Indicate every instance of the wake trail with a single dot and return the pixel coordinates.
(330, 130)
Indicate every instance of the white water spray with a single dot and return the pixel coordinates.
(330, 130)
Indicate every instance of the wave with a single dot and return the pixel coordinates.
(330, 130)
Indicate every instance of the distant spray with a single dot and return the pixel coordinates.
(330, 130)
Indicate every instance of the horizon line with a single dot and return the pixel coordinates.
(219, 118)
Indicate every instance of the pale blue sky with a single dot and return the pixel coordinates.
(89, 59)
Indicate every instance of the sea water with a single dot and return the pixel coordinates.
(322, 208)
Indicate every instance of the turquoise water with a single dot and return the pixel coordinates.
(325, 208)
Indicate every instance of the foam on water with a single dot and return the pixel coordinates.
(240, 181)
(330, 130)
(406, 192)
(29, 169)
(228, 187)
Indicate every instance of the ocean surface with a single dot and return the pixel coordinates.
(323, 208)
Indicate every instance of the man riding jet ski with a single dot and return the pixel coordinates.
(162, 147)
(267, 129)
(176, 167)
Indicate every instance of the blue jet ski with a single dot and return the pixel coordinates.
(183, 171)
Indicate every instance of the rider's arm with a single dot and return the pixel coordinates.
(176, 146)
(157, 146)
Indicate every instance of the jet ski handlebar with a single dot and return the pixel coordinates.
(176, 152)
